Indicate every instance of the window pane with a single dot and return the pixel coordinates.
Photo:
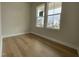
(57, 7)
(54, 12)
(50, 8)
(57, 10)
(40, 22)
(54, 8)
(40, 15)
(50, 21)
(56, 23)
(50, 12)
(53, 21)
(40, 10)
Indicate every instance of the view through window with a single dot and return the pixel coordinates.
(54, 13)
(40, 16)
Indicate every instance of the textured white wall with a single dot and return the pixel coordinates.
(15, 18)
(0, 32)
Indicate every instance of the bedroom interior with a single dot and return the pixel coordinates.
(39, 29)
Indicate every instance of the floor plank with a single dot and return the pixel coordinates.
(33, 46)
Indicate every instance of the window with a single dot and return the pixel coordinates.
(40, 16)
(54, 13)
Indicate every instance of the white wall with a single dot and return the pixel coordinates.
(15, 18)
(77, 27)
(69, 32)
(0, 32)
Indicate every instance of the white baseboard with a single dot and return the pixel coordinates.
(78, 51)
(5, 36)
(1, 46)
(64, 43)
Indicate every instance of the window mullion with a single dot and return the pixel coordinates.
(46, 14)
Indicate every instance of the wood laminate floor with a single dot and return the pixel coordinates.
(30, 45)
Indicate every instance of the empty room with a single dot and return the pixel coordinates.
(39, 29)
